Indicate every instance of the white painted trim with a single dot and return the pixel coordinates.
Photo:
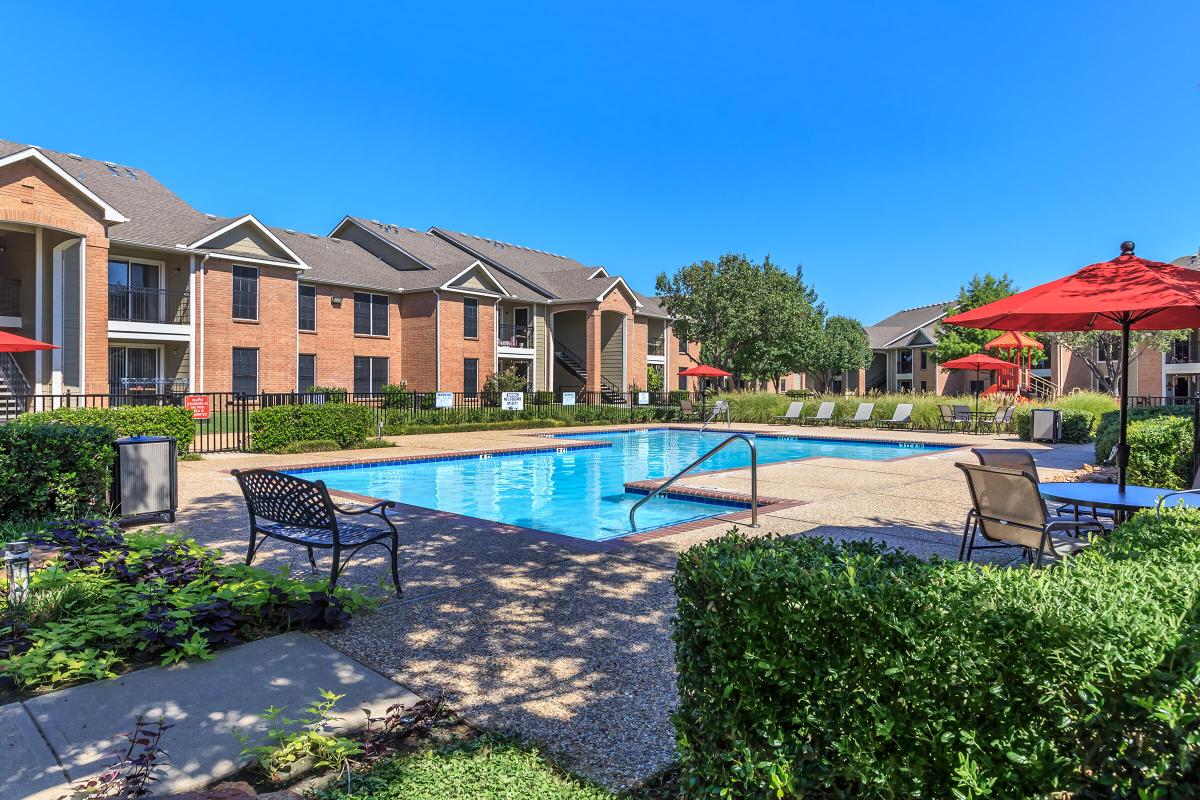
(621, 282)
(157, 331)
(202, 337)
(624, 352)
(550, 365)
(446, 237)
(56, 316)
(110, 214)
(496, 335)
(15, 322)
(490, 276)
(129, 261)
(192, 323)
(515, 352)
(250, 220)
(471, 292)
(83, 313)
(599, 272)
(39, 309)
(914, 330)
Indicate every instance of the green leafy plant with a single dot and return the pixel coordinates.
(276, 427)
(47, 468)
(138, 766)
(333, 394)
(309, 736)
(1109, 427)
(1160, 452)
(813, 668)
(131, 420)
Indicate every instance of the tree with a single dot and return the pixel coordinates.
(841, 347)
(754, 320)
(956, 342)
(1101, 350)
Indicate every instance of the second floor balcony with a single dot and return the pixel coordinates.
(140, 304)
(516, 336)
(656, 347)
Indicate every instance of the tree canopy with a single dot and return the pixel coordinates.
(755, 320)
(956, 342)
(841, 346)
(1101, 350)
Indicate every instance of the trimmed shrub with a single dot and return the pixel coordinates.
(1109, 428)
(499, 425)
(810, 668)
(48, 469)
(279, 426)
(1160, 452)
(173, 421)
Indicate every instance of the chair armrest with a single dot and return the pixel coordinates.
(382, 504)
(1159, 506)
(1074, 524)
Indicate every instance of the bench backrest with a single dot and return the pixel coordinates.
(286, 499)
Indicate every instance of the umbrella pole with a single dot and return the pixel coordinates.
(1123, 440)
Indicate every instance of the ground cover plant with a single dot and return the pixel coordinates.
(107, 601)
(808, 667)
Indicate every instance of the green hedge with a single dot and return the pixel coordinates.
(809, 668)
(1109, 428)
(1079, 426)
(276, 427)
(128, 421)
(1160, 452)
(397, 423)
(48, 469)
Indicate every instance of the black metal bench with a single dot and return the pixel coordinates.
(301, 512)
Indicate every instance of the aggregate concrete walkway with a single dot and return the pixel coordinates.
(69, 735)
(569, 644)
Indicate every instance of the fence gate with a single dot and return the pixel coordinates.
(222, 421)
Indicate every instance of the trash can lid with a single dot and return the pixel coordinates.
(144, 439)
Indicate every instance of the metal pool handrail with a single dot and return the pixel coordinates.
(753, 478)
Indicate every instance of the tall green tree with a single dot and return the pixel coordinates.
(755, 320)
(841, 347)
(956, 342)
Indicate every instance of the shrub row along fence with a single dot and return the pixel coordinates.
(221, 421)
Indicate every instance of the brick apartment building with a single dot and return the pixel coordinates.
(140, 290)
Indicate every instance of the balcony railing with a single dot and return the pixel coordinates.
(516, 336)
(137, 304)
(147, 386)
(10, 297)
(656, 347)
(1180, 354)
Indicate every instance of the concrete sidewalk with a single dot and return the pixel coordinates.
(61, 738)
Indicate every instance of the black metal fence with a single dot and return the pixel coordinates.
(222, 419)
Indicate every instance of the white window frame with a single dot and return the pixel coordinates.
(129, 261)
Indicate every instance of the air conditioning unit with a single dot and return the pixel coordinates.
(147, 477)
(1045, 425)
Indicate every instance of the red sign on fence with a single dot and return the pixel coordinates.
(199, 405)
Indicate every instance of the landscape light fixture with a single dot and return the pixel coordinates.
(16, 569)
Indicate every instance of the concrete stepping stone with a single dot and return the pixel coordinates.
(28, 768)
(206, 701)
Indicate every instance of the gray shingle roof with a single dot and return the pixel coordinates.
(342, 262)
(923, 318)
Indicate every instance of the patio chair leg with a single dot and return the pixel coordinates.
(967, 529)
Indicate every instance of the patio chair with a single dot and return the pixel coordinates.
(1195, 489)
(962, 415)
(901, 417)
(824, 414)
(719, 409)
(1007, 510)
(1008, 418)
(947, 423)
(861, 417)
(300, 512)
(792, 414)
(687, 411)
(996, 423)
(1008, 458)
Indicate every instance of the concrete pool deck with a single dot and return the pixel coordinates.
(568, 643)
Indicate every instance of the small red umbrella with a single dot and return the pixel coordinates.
(980, 362)
(705, 371)
(1127, 293)
(11, 343)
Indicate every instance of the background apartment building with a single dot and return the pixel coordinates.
(142, 292)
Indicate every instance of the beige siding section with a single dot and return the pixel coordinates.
(612, 351)
(244, 240)
(541, 344)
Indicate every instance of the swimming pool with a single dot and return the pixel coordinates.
(580, 492)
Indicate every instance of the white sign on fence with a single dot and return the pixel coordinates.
(568, 398)
(444, 400)
(643, 398)
(512, 401)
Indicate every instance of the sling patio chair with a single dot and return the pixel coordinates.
(962, 414)
(996, 423)
(824, 414)
(1007, 509)
(901, 417)
(947, 422)
(861, 417)
(792, 414)
(687, 411)
(300, 512)
(1011, 458)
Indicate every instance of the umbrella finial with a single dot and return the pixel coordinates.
(1126, 248)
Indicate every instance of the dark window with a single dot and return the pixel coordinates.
(370, 374)
(245, 293)
(683, 386)
(904, 361)
(470, 376)
(470, 318)
(683, 346)
(306, 373)
(370, 314)
(924, 384)
(924, 360)
(245, 370)
(307, 312)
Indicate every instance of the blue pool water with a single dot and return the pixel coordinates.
(581, 492)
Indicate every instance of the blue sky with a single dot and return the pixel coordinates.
(890, 148)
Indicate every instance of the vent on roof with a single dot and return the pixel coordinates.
(313, 236)
(72, 155)
(132, 175)
(82, 176)
(211, 216)
(335, 239)
(112, 168)
(289, 230)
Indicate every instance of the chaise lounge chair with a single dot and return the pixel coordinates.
(901, 418)
(1007, 509)
(792, 414)
(861, 417)
(824, 414)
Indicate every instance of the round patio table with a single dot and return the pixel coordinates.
(1109, 496)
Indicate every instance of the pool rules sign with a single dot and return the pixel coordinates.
(512, 401)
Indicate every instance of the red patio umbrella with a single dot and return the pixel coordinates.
(1127, 293)
(11, 343)
(705, 371)
(980, 362)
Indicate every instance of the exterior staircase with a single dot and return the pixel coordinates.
(1042, 388)
(14, 389)
(572, 363)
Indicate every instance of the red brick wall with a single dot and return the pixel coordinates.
(455, 348)
(418, 321)
(274, 334)
(335, 344)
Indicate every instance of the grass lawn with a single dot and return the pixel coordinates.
(485, 769)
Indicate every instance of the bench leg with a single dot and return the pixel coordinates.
(312, 560)
(251, 549)
(395, 570)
